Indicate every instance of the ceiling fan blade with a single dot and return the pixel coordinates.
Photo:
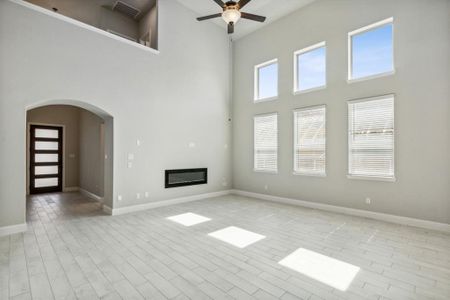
(230, 28)
(243, 3)
(209, 17)
(253, 17)
(219, 2)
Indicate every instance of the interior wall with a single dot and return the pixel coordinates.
(69, 117)
(91, 12)
(422, 99)
(92, 148)
(175, 103)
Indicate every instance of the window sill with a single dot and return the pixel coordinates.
(265, 171)
(309, 174)
(83, 25)
(386, 74)
(265, 99)
(299, 92)
(385, 179)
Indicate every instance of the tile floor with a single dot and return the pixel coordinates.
(72, 251)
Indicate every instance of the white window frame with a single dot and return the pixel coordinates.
(256, 97)
(297, 53)
(370, 27)
(362, 177)
(254, 143)
(295, 142)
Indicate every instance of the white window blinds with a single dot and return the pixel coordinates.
(310, 141)
(266, 143)
(371, 137)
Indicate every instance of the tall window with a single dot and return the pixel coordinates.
(309, 141)
(266, 81)
(371, 137)
(310, 68)
(371, 50)
(266, 143)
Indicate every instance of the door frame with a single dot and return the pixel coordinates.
(28, 158)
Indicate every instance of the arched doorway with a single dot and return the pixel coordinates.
(69, 157)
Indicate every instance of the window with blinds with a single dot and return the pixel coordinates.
(310, 141)
(266, 143)
(371, 137)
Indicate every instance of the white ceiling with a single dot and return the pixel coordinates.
(272, 9)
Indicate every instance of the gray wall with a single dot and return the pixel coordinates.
(69, 116)
(92, 152)
(421, 85)
(167, 101)
(91, 12)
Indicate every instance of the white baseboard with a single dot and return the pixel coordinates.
(140, 207)
(350, 211)
(91, 195)
(12, 229)
(71, 189)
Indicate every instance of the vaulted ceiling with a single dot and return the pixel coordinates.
(272, 9)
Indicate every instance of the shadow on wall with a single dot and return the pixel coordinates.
(87, 148)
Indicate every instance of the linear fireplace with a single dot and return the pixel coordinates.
(184, 177)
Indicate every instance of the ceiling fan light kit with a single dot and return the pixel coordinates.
(231, 13)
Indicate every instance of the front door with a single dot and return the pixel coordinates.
(46, 165)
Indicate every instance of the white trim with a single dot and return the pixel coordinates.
(278, 143)
(444, 227)
(146, 206)
(323, 175)
(294, 119)
(91, 195)
(256, 98)
(370, 77)
(82, 25)
(394, 154)
(350, 78)
(297, 53)
(13, 229)
(71, 189)
(373, 178)
(314, 89)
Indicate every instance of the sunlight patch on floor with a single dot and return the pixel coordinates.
(236, 236)
(328, 270)
(189, 219)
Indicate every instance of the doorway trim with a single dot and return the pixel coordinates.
(109, 144)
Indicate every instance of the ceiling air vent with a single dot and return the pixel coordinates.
(126, 9)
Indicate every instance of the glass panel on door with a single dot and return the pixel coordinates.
(45, 159)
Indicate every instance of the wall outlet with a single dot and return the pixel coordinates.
(138, 143)
(138, 196)
(147, 194)
(130, 156)
(266, 187)
(130, 165)
(368, 201)
(191, 145)
(119, 197)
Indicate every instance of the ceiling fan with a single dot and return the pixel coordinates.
(231, 13)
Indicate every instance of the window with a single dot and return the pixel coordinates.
(371, 137)
(309, 141)
(266, 142)
(310, 68)
(371, 50)
(266, 81)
